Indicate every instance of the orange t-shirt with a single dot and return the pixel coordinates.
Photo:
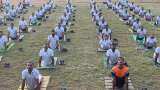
(120, 72)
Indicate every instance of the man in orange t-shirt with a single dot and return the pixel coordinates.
(120, 76)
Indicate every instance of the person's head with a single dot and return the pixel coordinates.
(120, 63)
(142, 28)
(12, 25)
(30, 66)
(121, 59)
(32, 14)
(22, 18)
(105, 36)
(53, 32)
(46, 46)
(152, 36)
(115, 41)
(114, 47)
(1, 33)
(59, 25)
(149, 10)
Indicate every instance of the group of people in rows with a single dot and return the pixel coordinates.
(113, 57)
(58, 34)
(15, 33)
(149, 41)
(10, 12)
(31, 76)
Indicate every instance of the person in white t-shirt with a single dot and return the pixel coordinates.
(102, 25)
(3, 41)
(148, 16)
(142, 12)
(46, 56)
(151, 42)
(53, 41)
(112, 55)
(156, 56)
(136, 25)
(19, 8)
(60, 31)
(141, 34)
(31, 78)
(23, 26)
(105, 43)
(107, 31)
(137, 9)
(33, 20)
(12, 32)
(131, 20)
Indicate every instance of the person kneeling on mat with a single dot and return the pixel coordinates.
(23, 26)
(151, 42)
(31, 78)
(112, 55)
(141, 34)
(46, 56)
(120, 76)
(60, 31)
(105, 43)
(53, 41)
(12, 32)
(136, 25)
(33, 20)
(148, 16)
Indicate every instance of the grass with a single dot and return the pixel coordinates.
(84, 69)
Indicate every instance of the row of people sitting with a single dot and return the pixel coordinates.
(147, 14)
(11, 13)
(98, 19)
(140, 11)
(140, 32)
(40, 14)
(15, 33)
(47, 53)
(113, 58)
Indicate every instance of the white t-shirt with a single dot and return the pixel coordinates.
(31, 78)
(32, 19)
(46, 57)
(148, 14)
(113, 56)
(106, 32)
(53, 41)
(59, 31)
(141, 33)
(136, 25)
(105, 44)
(23, 24)
(3, 40)
(12, 32)
(102, 24)
(151, 41)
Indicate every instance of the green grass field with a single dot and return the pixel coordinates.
(84, 69)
